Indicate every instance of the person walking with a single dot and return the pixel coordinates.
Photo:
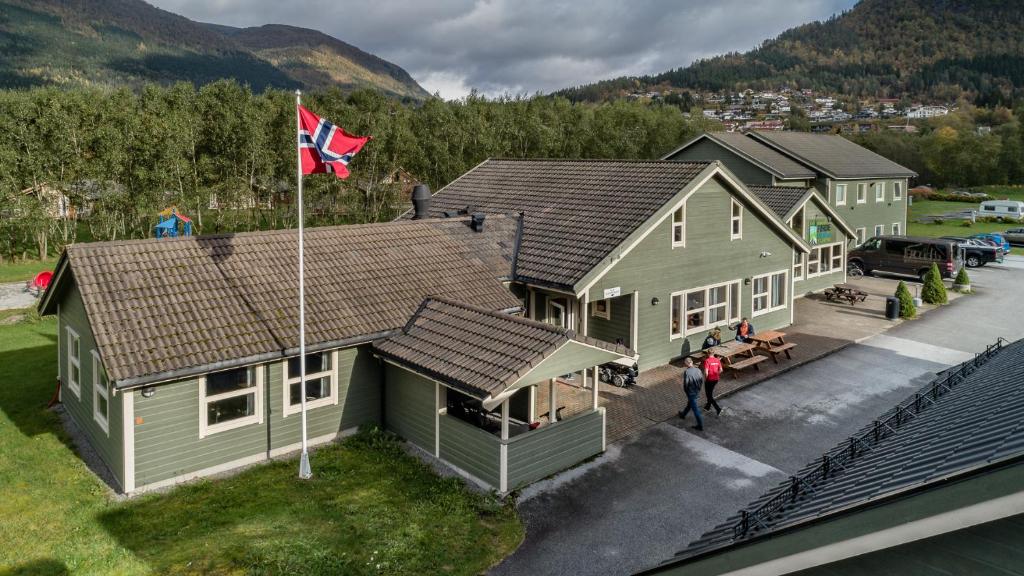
(693, 381)
(712, 372)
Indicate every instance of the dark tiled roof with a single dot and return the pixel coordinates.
(181, 305)
(577, 211)
(979, 421)
(781, 199)
(779, 164)
(833, 155)
(474, 349)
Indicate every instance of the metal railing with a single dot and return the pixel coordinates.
(838, 458)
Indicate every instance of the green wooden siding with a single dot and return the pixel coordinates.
(745, 170)
(545, 451)
(618, 326)
(870, 213)
(657, 270)
(410, 406)
(108, 446)
(471, 449)
(814, 213)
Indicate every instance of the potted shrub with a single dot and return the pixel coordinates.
(934, 291)
(907, 308)
(962, 283)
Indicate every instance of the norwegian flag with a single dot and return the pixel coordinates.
(324, 147)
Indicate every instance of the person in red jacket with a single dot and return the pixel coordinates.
(712, 372)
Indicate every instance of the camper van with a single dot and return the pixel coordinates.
(1004, 208)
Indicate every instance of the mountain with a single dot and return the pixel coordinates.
(129, 42)
(922, 49)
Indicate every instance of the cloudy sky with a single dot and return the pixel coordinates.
(516, 46)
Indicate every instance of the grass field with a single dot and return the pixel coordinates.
(24, 269)
(954, 228)
(370, 508)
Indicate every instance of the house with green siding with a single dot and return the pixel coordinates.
(867, 190)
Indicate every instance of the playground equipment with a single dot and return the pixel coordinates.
(168, 226)
(37, 285)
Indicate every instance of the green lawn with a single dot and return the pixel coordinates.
(951, 228)
(370, 508)
(24, 269)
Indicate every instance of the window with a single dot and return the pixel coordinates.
(840, 194)
(798, 265)
(989, 208)
(601, 309)
(862, 193)
(897, 191)
(797, 222)
(862, 236)
(736, 222)
(704, 308)
(230, 399)
(769, 293)
(879, 191)
(896, 229)
(74, 362)
(679, 226)
(100, 394)
(879, 229)
(825, 259)
(321, 388)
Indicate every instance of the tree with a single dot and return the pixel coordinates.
(962, 280)
(907, 308)
(934, 291)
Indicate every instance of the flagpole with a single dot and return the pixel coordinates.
(304, 470)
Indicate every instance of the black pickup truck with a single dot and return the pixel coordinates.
(976, 252)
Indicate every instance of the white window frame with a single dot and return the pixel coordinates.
(206, 429)
(862, 235)
(798, 266)
(768, 294)
(879, 191)
(74, 342)
(879, 229)
(685, 331)
(862, 193)
(98, 390)
(607, 314)
(840, 198)
(735, 222)
(835, 261)
(897, 191)
(681, 225)
(897, 230)
(290, 379)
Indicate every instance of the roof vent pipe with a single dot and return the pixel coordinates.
(477, 221)
(420, 201)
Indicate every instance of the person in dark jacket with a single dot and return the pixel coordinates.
(693, 381)
(714, 339)
(744, 330)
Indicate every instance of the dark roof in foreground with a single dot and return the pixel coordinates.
(477, 350)
(781, 199)
(766, 157)
(175, 307)
(576, 211)
(979, 421)
(833, 155)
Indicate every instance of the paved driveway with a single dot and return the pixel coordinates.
(13, 295)
(654, 492)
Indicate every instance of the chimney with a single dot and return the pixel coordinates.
(477, 221)
(420, 201)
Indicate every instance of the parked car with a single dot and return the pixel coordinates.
(995, 237)
(1014, 236)
(977, 252)
(907, 255)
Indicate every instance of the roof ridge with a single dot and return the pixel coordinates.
(604, 160)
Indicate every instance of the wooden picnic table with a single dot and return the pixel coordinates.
(737, 355)
(844, 291)
(774, 343)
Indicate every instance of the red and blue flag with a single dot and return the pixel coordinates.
(324, 147)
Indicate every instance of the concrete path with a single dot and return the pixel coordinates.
(661, 488)
(14, 296)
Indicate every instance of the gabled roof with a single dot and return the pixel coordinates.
(832, 155)
(172, 308)
(973, 422)
(786, 200)
(485, 353)
(576, 212)
(768, 159)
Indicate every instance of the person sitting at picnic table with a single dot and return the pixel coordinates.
(714, 339)
(744, 330)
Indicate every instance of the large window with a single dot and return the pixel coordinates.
(679, 226)
(825, 259)
(769, 292)
(736, 221)
(74, 362)
(840, 194)
(100, 394)
(230, 399)
(321, 388)
(703, 308)
(862, 193)
(897, 191)
(879, 191)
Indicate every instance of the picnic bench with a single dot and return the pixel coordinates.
(847, 292)
(774, 343)
(737, 356)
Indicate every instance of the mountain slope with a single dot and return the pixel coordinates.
(931, 49)
(127, 42)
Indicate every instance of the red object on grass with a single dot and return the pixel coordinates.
(42, 280)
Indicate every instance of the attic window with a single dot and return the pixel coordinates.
(601, 309)
(679, 226)
(736, 221)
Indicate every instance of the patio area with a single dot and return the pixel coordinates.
(821, 329)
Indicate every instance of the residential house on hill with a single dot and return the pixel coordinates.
(866, 189)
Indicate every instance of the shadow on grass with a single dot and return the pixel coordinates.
(29, 382)
(41, 567)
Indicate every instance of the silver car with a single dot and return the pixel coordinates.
(1014, 236)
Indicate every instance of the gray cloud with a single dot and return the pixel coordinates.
(517, 46)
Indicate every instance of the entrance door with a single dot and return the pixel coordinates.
(556, 313)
